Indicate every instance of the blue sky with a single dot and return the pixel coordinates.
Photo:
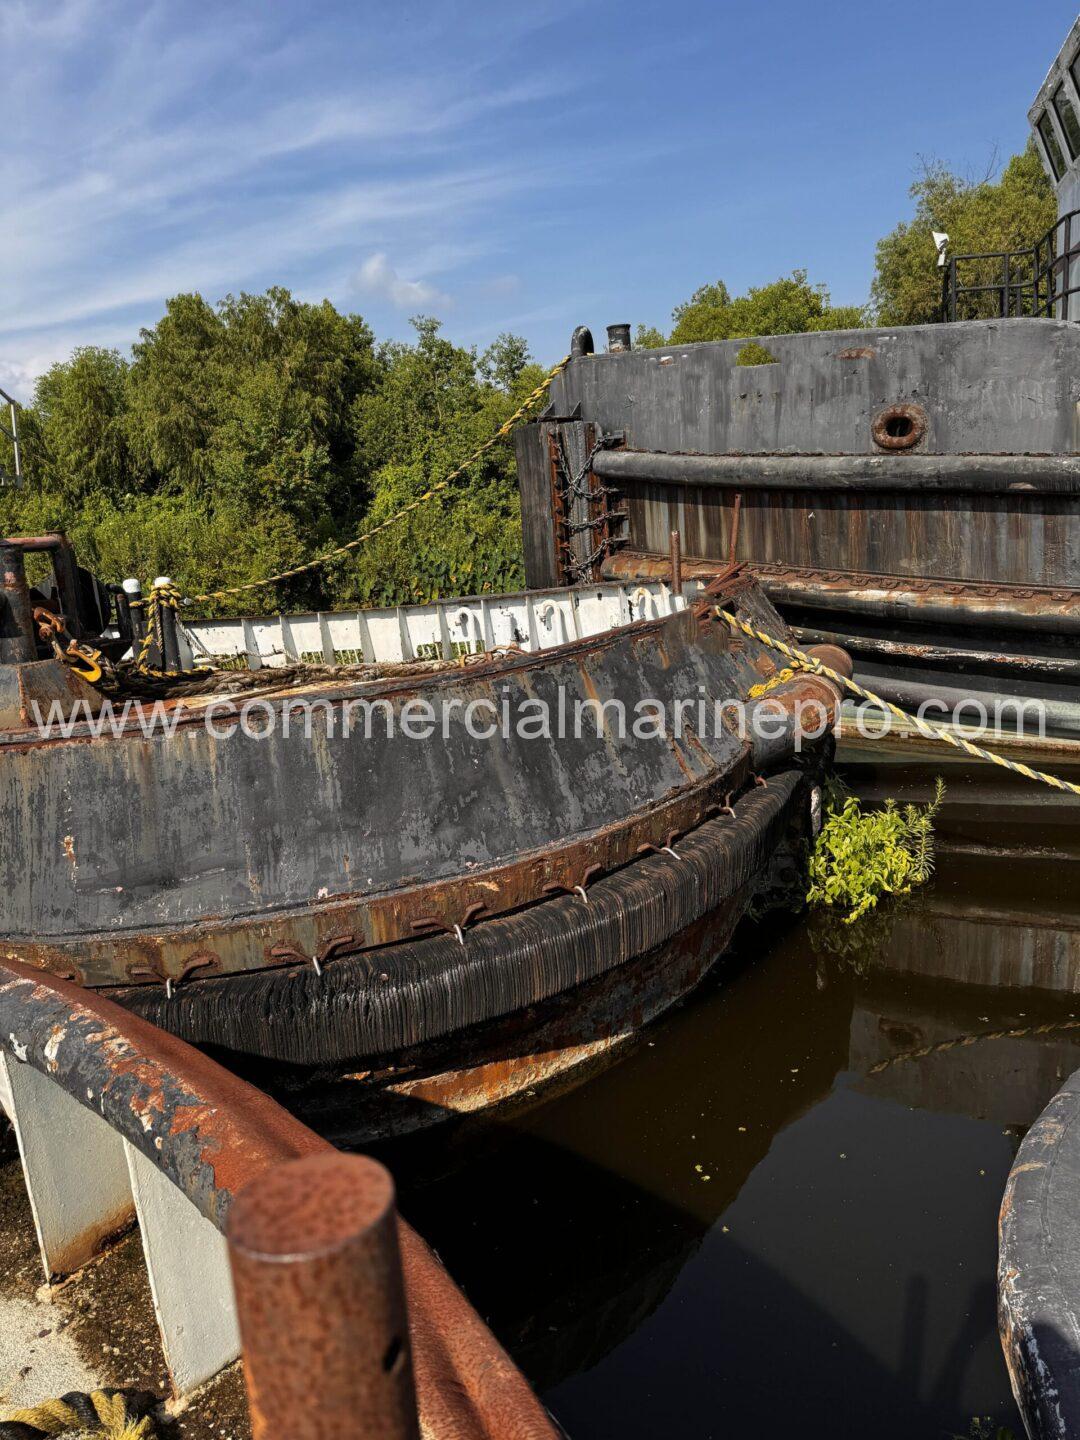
(506, 166)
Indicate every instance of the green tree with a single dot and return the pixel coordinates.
(250, 436)
(788, 306)
(75, 433)
(979, 216)
(435, 403)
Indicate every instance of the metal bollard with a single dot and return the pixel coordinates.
(321, 1302)
(618, 339)
(132, 605)
(168, 639)
(17, 643)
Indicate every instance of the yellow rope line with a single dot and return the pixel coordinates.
(932, 732)
(961, 1041)
(503, 430)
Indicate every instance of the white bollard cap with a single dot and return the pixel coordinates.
(131, 586)
(162, 580)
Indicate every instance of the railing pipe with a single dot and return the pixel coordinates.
(213, 1136)
(321, 1302)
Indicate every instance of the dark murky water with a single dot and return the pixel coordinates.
(746, 1225)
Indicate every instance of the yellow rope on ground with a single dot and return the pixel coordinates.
(924, 727)
(101, 1412)
(503, 430)
(51, 1417)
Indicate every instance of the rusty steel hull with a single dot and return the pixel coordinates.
(376, 1008)
(947, 562)
(335, 896)
(552, 1042)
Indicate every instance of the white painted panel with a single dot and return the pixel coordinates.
(74, 1167)
(188, 1263)
(535, 620)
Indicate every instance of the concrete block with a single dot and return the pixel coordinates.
(188, 1263)
(74, 1166)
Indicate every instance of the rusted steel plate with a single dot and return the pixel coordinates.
(372, 1006)
(315, 1265)
(907, 597)
(211, 1134)
(288, 850)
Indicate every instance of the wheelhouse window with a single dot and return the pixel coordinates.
(1070, 125)
(1045, 127)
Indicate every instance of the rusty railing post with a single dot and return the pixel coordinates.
(676, 565)
(321, 1302)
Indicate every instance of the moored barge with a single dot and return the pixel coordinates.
(450, 916)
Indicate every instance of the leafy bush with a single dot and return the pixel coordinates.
(754, 354)
(862, 855)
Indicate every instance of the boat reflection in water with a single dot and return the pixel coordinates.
(769, 1213)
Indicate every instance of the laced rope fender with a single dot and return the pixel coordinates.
(444, 484)
(924, 727)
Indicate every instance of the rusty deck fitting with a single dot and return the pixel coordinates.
(212, 1134)
(317, 1275)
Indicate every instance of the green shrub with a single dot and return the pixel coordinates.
(862, 855)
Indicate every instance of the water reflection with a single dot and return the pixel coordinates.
(770, 1214)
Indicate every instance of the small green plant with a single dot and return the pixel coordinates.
(983, 1428)
(755, 354)
(862, 855)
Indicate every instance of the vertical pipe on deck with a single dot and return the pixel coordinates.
(17, 643)
(676, 565)
(168, 639)
(321, 1302)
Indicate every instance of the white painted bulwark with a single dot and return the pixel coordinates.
(188, 1263)
(444, 630)
(74, 1166)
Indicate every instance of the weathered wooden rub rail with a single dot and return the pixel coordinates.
(116, 1118)
(1039, 1270)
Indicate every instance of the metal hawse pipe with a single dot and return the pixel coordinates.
(986, 474)
(213, 1136)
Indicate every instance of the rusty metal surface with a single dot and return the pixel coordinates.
(374, 1006)
(282, 852)
(899, 427)
(212, 1134)
(561, 1041)
(319, 1295)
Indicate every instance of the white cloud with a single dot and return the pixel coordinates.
(378, 277)
(147, 154)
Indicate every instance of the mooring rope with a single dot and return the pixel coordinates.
(960, 1041)
(924, 727)
(350, 545)
(112, 1414)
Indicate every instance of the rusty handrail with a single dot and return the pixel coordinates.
(213, 1135)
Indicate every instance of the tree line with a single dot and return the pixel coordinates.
(243, 438)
